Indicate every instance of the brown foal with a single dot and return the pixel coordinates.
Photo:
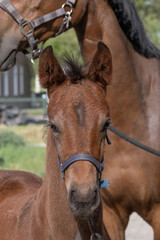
(133, 98)
(78, 117)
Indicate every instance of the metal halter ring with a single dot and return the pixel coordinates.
(68, 5)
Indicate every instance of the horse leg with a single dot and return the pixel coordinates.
(113, 224)
(155, 214)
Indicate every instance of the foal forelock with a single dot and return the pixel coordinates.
(73, 68)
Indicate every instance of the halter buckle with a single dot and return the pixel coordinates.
(23, 24)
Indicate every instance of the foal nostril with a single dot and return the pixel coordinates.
(95, 195)
(72, 196)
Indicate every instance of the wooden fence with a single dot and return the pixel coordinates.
(34, 101)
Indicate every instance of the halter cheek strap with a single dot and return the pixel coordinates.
(8, 7)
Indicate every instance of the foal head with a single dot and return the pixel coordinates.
(78, 115)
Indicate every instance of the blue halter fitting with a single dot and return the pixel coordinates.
(83, 157)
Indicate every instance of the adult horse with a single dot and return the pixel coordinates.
(133, 97)
(31, 209)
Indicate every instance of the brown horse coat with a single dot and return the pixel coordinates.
(133, 98)
(32, 209)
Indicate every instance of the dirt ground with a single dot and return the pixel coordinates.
(138, 229)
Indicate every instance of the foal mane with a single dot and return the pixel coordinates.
(132, 26)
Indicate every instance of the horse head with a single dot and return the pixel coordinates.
(27, 23)
(78, 115)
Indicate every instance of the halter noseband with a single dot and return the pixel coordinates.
(83, 157)
(8, 7)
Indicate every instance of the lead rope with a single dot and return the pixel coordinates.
(134, 142)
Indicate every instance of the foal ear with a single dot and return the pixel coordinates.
(100, 69)
(50, 71)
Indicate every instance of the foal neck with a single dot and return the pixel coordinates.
(59, 217)
(58, 214)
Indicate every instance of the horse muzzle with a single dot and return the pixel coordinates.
(83, 200)
(83, 196)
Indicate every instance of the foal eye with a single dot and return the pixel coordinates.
(54, 128)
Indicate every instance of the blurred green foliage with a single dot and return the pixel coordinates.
(26, 158)
(149, 11)
(10, 138)
(20, 153)
(66, 42)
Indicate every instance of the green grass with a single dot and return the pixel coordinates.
(8, 137)
(27, 157)
(30, 133)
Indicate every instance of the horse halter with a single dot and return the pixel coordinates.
(83, 157)
(8, 7)
(102, 183)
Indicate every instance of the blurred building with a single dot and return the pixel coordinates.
(16, 83)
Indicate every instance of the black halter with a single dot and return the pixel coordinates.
(83, 157)
(102, 183)
(8, 7)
